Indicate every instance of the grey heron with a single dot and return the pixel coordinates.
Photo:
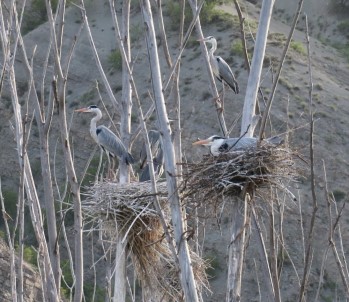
(156, 153)
(220, 67)
(220, 144)
(105, 138)
(158, 163)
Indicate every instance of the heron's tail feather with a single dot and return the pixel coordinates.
(275, 140)
(233, 84)
(129, 159)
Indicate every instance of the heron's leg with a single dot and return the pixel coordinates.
(223, 95)
(112, 169)
(109, 166)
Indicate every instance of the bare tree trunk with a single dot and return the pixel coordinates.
(126, 98)
(120, 270)
(125, 130)
(248, 124)
(236, 250)
(249, 121)
(186, 272)
(48, 282)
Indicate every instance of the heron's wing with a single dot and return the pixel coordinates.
(275, 140)
(242, 143)
(111, 143)
(158, 170)
(226, 74)
(154, 140)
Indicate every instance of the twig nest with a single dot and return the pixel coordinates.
(126, 212)
(230, 173)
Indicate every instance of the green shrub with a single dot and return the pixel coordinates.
(10, 203)
(237, 48)
(213, 267)
(115, 59)
(209, 14)
(30, 255)
(136, 32)
(88, 287)
(339, 194)
(298, 47)
(36, 15)
(343, 27)
(343, 49)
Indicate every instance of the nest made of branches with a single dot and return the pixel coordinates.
(230, 173)
(126, 211)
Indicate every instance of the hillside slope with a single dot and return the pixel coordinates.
(290, 111)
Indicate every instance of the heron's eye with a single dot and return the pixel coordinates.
(92, 107)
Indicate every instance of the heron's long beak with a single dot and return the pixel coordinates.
(202, 142)
(81, 110)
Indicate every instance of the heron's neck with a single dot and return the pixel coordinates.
(94, 121)
(213, 48)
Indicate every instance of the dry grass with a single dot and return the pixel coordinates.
(126, 211)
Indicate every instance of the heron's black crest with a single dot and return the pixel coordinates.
(217, 137)
(92, 107)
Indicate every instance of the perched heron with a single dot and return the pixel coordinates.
(158, 163)
(220, 144)
(157, 154)
(105, 138)
(220, 68)
(155, 144)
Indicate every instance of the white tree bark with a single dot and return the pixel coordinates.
(126, 98)
(248, 115)
(248, 124)
(186, 271)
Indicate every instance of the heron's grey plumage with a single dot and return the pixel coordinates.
(105, 138)
(112, 145)
(220, 67)
(155, 144)
(158, 163)
(156, 153)
(220, 144)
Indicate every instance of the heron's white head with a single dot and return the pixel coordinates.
(209, 39)
(209, 141)
(92, 108)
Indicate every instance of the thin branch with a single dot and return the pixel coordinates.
(309, 249)
(268, 281)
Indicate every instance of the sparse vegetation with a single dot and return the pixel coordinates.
(339, 194)
(30, 255)
(115, 59)
(237, 48)
(36, 15)
(213, 267)
(318, 86)
(298, 47)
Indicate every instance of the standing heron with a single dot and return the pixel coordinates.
(156, 153)
(220, 144)
(105, 138)
(220, 67)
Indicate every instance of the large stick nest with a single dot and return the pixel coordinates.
(230, 173)
(126, 211)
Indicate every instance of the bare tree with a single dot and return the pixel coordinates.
(186, 272)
